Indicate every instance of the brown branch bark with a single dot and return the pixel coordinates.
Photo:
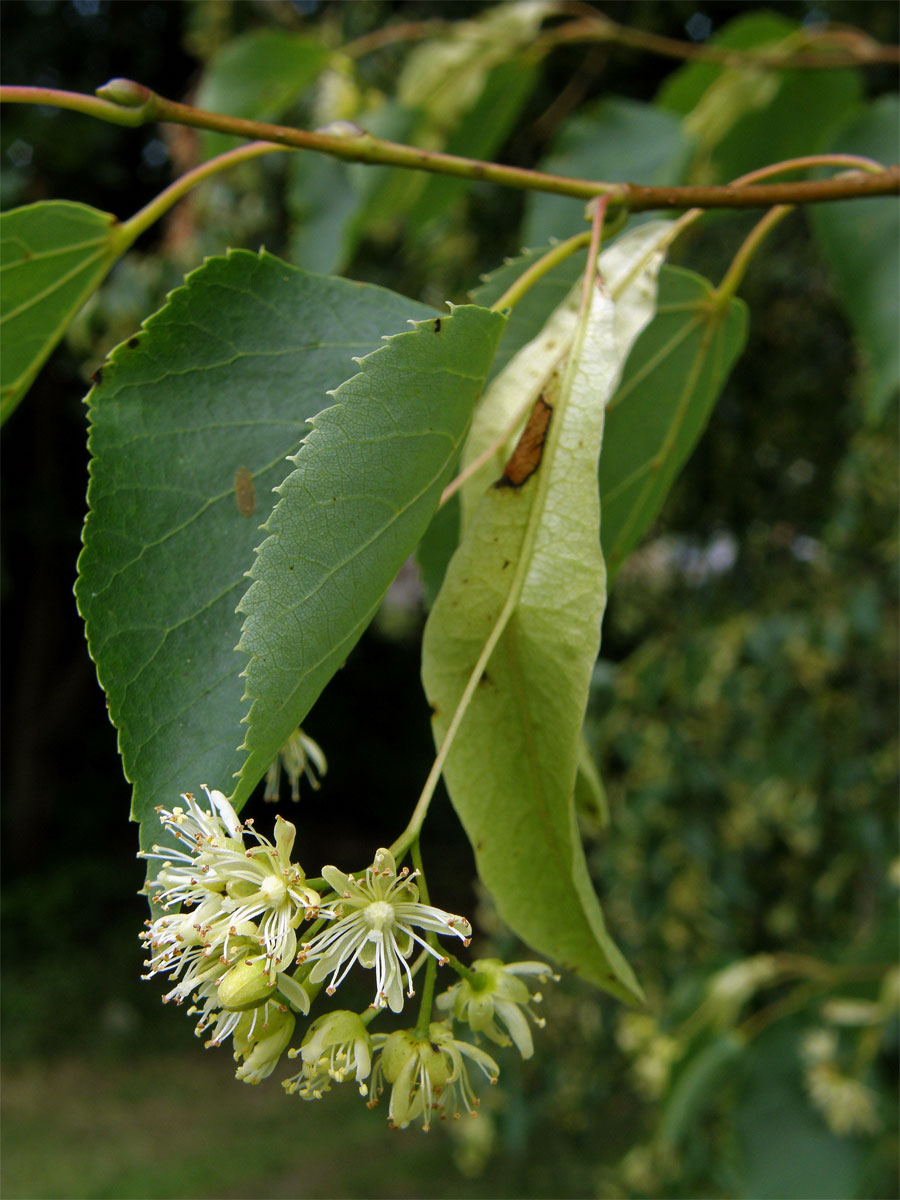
(857, 185)
(124, 102)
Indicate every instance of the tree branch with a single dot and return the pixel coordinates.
(389, 34)
(824, 49)
(127, 103)
(857, 185)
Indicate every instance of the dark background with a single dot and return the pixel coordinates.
(71, 913)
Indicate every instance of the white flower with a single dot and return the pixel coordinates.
(260, 1038)
(847, 1104)
(429, 1075)
(299, 755)
(377, 916)
(819, 1046)
(261, 1030)
(178, 947)
(336, 1046)
(729, 989)
(226, 890)
(494, 993)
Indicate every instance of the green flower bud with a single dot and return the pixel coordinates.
(399, 1047)
(125, 92)
(245, 985)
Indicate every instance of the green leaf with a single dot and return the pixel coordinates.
(334, 205)
(784, 1148)
(517, 627)
(671, 382)
(258, 75)
(463, 91)
(322, 202)
(445, 75)
(479, 134)
(861, 243)
(744, 118)
(524, 322)
(190, 426)
(694, 1085)
(53, 255)
(684, 88)
(386, 191)
(614, 140)
(590, 794)
(366, 483)
(436, 548)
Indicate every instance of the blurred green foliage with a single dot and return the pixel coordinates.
(743, 712)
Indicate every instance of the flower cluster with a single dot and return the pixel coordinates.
(232, 903)
(231, 942)
(231, 896)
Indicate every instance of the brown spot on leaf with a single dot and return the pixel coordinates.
(526, 458)
(244, 492)
(133, 343)
(97, 376)
(437, 324)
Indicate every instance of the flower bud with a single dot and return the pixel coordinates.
(399, 1047)
(245, 985)
(125, 92)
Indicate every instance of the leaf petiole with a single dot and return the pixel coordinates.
(537, 270)
(131, 229)
(741, 261)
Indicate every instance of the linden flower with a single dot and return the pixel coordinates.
(260, 1038)
(261, 1034)
(428, 1075)
(848, 1105)
(229, 890)
(299, 755)
(495, 993)
(177, 946)
(209, 836)
(243, 1004)
(337, 1045)
(375, 928)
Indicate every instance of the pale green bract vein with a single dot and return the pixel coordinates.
(629, 267)
(529, 573)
